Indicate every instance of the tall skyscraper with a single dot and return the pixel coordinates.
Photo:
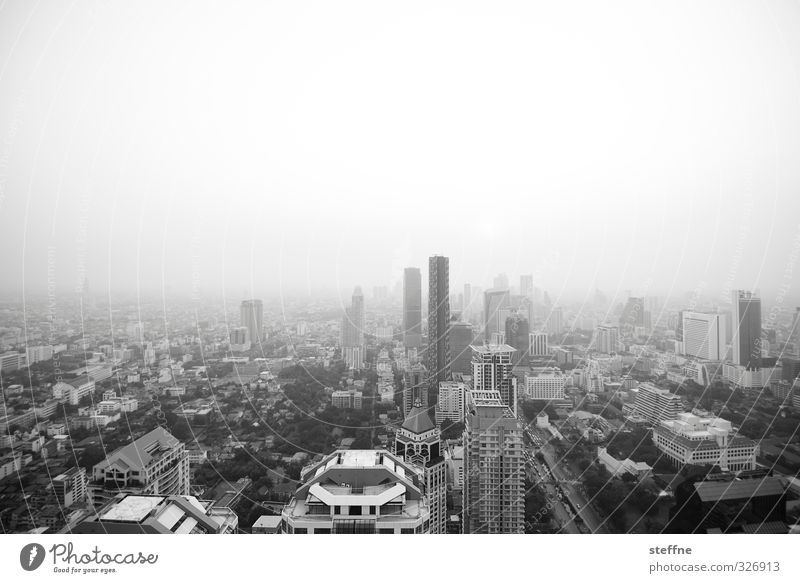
(517, 329)
(555, 321)
(703, 335)
(466, 309)
(526, 286)
(495, 302)
(252, 318)
(746, 339)
(438, 321)
(418, 442)
(461, 338)
(412, 307)
(492, 366)
(353, 321)
(494, 467)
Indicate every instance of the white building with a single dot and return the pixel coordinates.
(704, 335)
(358, 492)
(537, 344)
(690, 439)
(450, 405)
(545, 384)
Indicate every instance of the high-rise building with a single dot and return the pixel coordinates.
(545, 384)
(746, 338)
(633, 315)
(492, 366)
(526, 286)
(353, 321)
(494, 467)
(438, 320)
(537, 344)
(606, 339)
(252, 318)
(358, 492)
(466, 307)
(495, 302)
(655, 405)
(156, 463)
(555, 321)
(412, 307)
(451, 402)
(70, 487)
(461, 338)
(415, 379)
(240, 339)
(703, 335)
(517, 329)
(419, 443)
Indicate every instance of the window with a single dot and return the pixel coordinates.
(322, 531)
(355, 511)
(301, 530)
(385, 531)
(406, 531)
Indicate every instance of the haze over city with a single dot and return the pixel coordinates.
(565, 143)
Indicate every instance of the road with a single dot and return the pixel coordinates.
(560, 511)
(573, 492)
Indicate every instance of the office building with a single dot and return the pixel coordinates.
(358, 492)
(545, 384)
(418, 442)
(70, 487)
(438, 321)
(240, 339)
(156, 463)
(492, 366)
(496, 303)
(537, 343)
(654, 405)
(703, 335)
(554, 323)
(353, 321)
(351, 399)
(704, 441)
(494, 467)
(526, 286)
(252, 318)
(451, 402)
(353, 357)
(462, 337)
(746, 336)
(517, 330)
(412, 307)
(606, 339)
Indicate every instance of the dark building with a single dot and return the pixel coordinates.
(790, 369)
(461, 338)
(517, 330)
(438, 351)
(746, 341)
(412, 307)
(728, 503)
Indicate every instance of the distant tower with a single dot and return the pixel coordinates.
(412, 307)
(495, 303)
(252, 317)
(526, 286)
(438, 321)
(418, 442)
(746, 340)
(353, 321)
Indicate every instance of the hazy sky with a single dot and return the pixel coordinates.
(310, 146)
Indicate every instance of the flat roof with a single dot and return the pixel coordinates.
(132, 508)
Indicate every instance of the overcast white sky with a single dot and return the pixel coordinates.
(317, 145)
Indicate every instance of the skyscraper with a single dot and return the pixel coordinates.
(501, 280)
(492, 370)
(252, 318)
(495, 301)
(461, 338)
(494, 467)
(555, 321)
(703, 335)
(746, 339)
(526, 286)
(438, 321)
(412, 307)
(418, 442)
(353, 321)
(415, 380)
(517, 329)
(606, 339)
